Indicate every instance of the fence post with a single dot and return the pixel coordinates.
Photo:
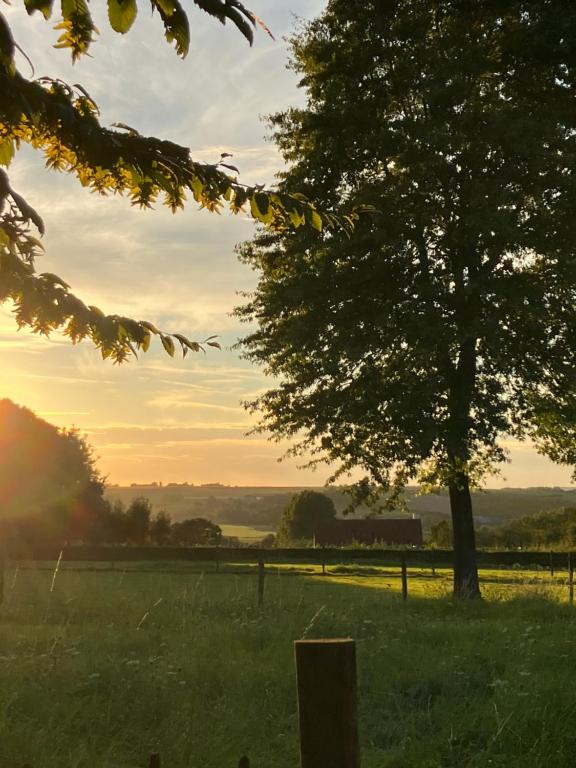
(570, 578)
(244, 762)
(326, 682)
(551, 566)
(261, 574)
(404, 576)
(154, 760)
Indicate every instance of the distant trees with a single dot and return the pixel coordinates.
(301, 517)
(196, 531)
(138, 525)
(137, 520)
(441, 535)
(545, 530)
(161, 528)
(552, 529)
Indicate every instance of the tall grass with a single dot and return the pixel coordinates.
(110, 666)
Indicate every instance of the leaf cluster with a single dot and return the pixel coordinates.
(77, 30)
(62, 121)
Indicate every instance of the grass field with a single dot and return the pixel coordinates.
(113, 665)
(245, 533)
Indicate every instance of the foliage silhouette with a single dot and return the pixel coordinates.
(411, 348)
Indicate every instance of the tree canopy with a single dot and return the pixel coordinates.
(446, 323)
(305, 510)
(49, 485)
(62, 121)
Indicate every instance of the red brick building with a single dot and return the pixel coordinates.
(385, 531)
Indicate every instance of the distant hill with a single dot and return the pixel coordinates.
(261, 507)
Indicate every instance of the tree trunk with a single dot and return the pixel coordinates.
(466, 583)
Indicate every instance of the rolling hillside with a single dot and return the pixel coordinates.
(261, 507)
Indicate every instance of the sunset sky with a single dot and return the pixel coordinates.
(157, 418)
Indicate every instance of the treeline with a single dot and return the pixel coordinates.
(101, 522)
(545, 530)
(138, 524)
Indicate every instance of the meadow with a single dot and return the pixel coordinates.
(101, 667)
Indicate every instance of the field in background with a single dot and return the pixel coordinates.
(245, 533)
(112, 665)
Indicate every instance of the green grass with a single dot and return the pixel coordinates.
(245, 533)
(111, 666)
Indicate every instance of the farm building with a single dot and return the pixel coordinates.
(339, 533)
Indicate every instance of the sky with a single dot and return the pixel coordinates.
(157, 418)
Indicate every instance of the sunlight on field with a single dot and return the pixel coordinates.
(114, 664)
(497, 584)
(244, 532)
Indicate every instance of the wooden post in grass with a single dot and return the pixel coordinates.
(261, 574)
(326, 682)
(570, 578)
(551, 566)
(154, 760)
(404, 576)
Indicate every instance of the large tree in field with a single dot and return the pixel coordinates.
(62, 122)
(447, 321)
(301, 517)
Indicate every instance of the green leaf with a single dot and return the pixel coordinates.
(6, 152)
(176, 27)
(44, 6)
(315, 220)
(149, 327)
(121, 14)
(165, 6)
(54, 279)
(168, 344)
(260, 208)
(146, 341)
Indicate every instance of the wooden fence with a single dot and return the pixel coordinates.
(402, 559)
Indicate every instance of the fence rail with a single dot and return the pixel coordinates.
(403, 559)
(420, 558)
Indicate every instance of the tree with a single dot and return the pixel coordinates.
(445, 323)
(195, 531)
(137, 520)
(49, 485)
(301, 517)
(161, 528)
(441, 535)
(62, 121)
